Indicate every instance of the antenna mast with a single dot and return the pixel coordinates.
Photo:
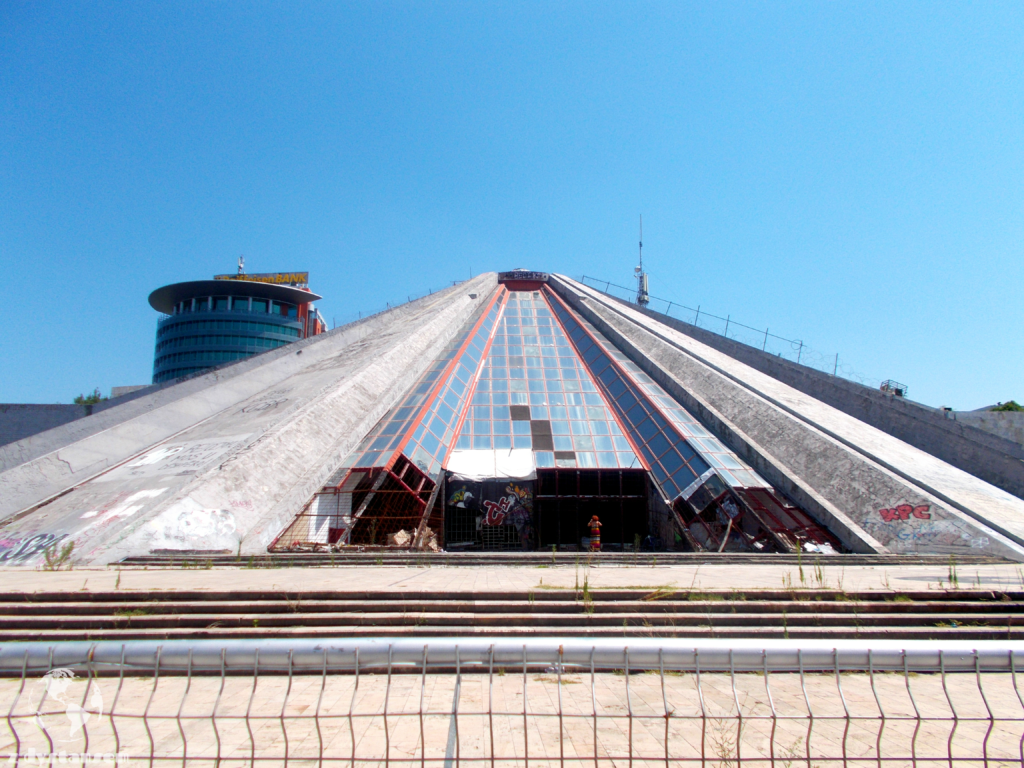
(642, 299)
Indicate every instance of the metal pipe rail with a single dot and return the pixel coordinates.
(488, 701)
(794, 350)
(305, 656)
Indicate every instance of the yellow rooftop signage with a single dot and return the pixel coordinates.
(300, 279)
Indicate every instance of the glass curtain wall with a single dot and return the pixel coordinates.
(423, 425)
(535, 393)
(679, 451)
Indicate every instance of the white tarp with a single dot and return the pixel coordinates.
(515, 464)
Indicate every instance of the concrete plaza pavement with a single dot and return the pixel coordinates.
(440, 579)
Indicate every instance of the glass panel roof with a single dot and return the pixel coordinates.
(677, 448)
(535, 393)
(523, 374)
(431, 419)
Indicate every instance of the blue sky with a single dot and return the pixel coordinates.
(847, 174)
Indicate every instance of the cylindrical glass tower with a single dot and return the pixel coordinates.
(210, 322)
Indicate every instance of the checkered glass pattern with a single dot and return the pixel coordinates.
(533, 381)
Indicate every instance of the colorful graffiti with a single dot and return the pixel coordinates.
(477, 509)
(908, 528)
(20, 550)
(515, 507)
(460, 498)
(904, 512)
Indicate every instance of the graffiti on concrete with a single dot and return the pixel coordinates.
(126, 505)
(943, 533)
(905, 512)
(268, 401)
(186, 525)
(263, 405)
(908, 528)
(20, 550)
(183, 459)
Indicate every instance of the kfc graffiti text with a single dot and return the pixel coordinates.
(905, 512)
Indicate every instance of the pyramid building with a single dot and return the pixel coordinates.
(504, 414)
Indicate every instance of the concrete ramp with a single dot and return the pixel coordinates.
(877, 493)
(222, 462)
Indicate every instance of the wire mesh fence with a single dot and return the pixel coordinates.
(540, 702)
(760, 338)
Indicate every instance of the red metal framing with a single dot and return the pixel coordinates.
(802, 522)
(807, 527)
(499, 294)
(471, 387)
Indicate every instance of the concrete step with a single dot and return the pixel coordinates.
(966, 614)
(377, 556)
(484, 609)
(696, 632)
(482, 598)
(511, 620)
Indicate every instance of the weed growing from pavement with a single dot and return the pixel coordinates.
(722, 739)
(58, 558)
(661, 593)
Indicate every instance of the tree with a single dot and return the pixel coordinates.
(92, 399)
(1010, 406)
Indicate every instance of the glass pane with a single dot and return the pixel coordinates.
(563, 443)
(584, 442)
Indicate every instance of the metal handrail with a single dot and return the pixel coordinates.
(678, 654)
(798, 351)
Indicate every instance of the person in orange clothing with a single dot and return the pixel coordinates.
(595, 534)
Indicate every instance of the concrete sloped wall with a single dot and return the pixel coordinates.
(222, 462)
(874, 491)
(21, 420)
(988, 448)
(1008, 425)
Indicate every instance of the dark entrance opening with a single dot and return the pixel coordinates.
(567, 498)
(488, 514)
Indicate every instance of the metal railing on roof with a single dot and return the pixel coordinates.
(794, 350)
